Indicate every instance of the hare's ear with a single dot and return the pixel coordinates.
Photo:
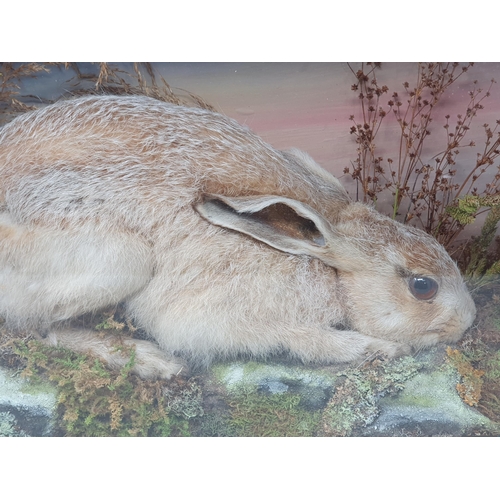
(285, 224)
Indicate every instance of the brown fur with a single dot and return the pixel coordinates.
(217, 243)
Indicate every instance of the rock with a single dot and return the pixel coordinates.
(26, 408)
(313, 385)
(409, 396)
(265, 399)
(428, 405)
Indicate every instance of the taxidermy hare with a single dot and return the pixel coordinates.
(216, 243)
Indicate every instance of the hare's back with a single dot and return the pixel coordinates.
(94, 132)
(98, 152)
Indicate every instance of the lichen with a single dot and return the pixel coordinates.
(8, 426)
(354, 402)
(469, 388)
(216, 424)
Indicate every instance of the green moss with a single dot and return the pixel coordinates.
(96, 401)
(270, 399)
(271, 415)
(251, 367)
(480, 267)
(491, 367)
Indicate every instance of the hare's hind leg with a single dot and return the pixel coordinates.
(49, 275)
(149, 361)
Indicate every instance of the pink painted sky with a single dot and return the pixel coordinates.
(307, 105)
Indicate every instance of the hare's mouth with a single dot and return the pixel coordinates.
(449, 333)
(451, 330)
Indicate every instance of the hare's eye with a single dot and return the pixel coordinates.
(423, 288)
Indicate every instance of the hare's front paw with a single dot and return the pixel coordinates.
(387, 348)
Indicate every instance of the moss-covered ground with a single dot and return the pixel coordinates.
(94, 400)
(477, 356)
(245, 398)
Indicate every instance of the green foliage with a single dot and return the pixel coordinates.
(466, 209)
(110, 324)
(464, 212)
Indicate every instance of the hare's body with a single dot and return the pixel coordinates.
(217, 243)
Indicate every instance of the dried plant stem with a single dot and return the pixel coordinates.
(422, 188)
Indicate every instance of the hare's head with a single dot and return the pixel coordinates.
(397, 282)
(403, 285)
